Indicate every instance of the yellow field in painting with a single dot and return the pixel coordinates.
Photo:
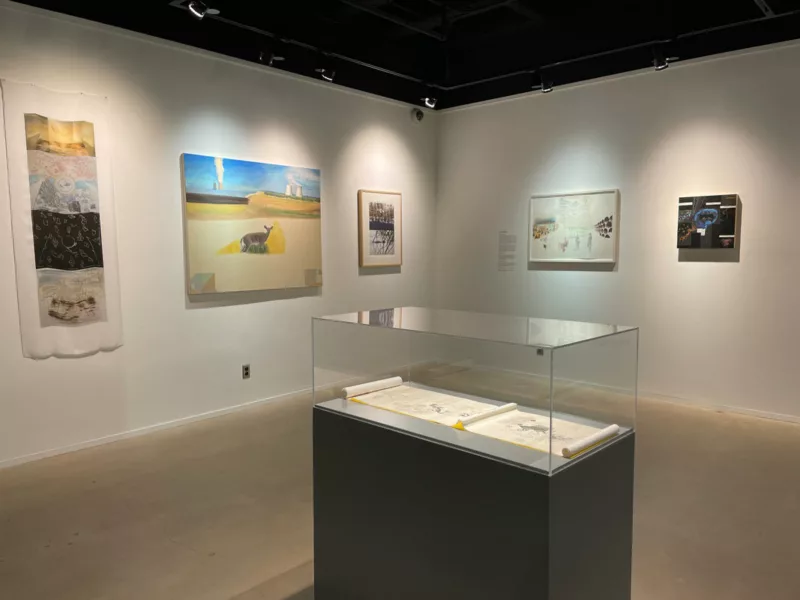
(261, 205)
(212, 248)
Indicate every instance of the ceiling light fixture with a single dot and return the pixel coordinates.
(429, 97)
(200, 9)
(430, 101)
(269, 58)
(660, 62)
(326, 74)
(542, 83)
(325, 69)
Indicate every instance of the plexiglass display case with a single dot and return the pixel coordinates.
(540, 393)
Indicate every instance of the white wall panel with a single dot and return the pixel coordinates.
(716, 333)
(182, 359)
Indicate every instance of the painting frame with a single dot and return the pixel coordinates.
(367, 259)
(612, 200)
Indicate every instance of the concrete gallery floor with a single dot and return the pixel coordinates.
(221, 510)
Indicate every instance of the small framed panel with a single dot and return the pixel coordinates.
(380, 229)
(574, 228)
(706, 222)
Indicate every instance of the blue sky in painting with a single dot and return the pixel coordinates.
(244, 177)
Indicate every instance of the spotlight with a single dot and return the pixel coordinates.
(326, 70)
(269, 58)
(429, 97)
(660, 62)
(542, 83)
(198, 9)
(326, 74)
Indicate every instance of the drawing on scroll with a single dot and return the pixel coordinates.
(425, 404)
(63, 222)
(531, 430)
(507, 422)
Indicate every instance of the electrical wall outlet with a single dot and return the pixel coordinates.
(245, 371)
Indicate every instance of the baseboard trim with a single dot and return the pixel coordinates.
(13, 462)
(677, 400)
(722, 408)
(115, 437)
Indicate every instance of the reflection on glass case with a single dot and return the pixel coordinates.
(540, 393)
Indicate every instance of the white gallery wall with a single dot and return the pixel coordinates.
(719, 333)
(181, 358)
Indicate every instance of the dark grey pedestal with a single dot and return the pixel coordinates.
(397, 517)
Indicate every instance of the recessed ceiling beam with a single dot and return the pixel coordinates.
(284, 40)
(526, 12)
(582, 58)
(514, 5)
(480, 11)
(765, 8)
(392, 19)
(181, 4)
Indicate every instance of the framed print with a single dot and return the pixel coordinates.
(574, 228)
(380, 229)
(708, 221)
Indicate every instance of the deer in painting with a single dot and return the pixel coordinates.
(256, 242)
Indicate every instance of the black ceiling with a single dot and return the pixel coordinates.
(459, 51)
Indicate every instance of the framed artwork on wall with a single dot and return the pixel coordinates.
(250, 226)
(708, 221)
(574, 228)
(380, 229)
